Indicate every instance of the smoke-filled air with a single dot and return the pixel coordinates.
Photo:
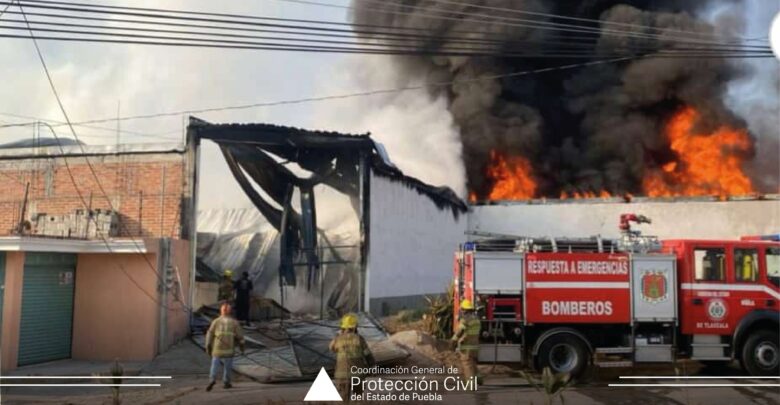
(604, 121)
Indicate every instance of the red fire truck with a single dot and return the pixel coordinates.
(568, 304)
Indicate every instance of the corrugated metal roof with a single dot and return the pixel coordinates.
(91, 150)
(292, 138)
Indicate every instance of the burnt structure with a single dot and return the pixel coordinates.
(261, 154)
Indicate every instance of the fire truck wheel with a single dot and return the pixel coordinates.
(563, 354)
(761, 353)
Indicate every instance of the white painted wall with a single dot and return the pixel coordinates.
(680, 219)
(411, 243)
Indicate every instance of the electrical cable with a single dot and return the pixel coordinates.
(501, 20)
(564, 17)
(159, 277)
(213, 43)
(503, 47)
(156, 13)
(358, 94)
(483, 39)
(56, 123)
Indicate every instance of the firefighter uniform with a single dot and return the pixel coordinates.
(226, 288)
(223, 336)
(467, 338)
(351, 351)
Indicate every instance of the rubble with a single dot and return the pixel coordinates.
(295, 349)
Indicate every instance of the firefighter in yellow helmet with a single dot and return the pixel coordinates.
(467, 338)
(351, 351)
(226, 287)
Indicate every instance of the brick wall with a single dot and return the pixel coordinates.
(146, 190)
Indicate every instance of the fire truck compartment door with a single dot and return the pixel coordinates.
(498, 272)
(653, 288)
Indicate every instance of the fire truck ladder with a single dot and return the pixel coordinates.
(490, 241)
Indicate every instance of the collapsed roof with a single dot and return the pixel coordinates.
(258, 154)
(326, 154)
(296, 349)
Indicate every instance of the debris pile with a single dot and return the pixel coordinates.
(295, 349)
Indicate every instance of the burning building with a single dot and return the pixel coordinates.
(630, 101)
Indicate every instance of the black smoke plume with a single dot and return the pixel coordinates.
(591, 128)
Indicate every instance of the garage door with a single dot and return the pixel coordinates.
(47, 307)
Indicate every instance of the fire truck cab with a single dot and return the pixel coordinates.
(569, 304)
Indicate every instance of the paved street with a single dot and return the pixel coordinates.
(191, 390)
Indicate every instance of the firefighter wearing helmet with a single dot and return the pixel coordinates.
(226, 287)
(351, 351)
(467, 338)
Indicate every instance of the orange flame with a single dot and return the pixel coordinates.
(707, 164)
(603, 194)
(512, 177)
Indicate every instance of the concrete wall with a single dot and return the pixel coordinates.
(205, 293)
(680, 219)
(12, 309)
(112, 316)
(411, 244)
(178, 315)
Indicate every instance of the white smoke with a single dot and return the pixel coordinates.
(415, 128)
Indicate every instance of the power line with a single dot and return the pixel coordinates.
(250, 20)
(92, 170)
(357, 94)
(570, 18)
(323, 49)
(484, 37)
(56, 123)
(495, 20)
(502, 47)
(385, 50)
(301, 30)
(102, 237)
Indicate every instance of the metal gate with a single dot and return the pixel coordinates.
(47, 307)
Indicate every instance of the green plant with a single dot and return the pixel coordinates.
(439, 315)
(551, 385)
(410, 315)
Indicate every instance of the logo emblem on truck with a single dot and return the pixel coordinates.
(717, 309)
(654, 286)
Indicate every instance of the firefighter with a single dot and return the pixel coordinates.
(221, 340)
(226, 287)
(351, 351)
(243, 289)
(467, 339)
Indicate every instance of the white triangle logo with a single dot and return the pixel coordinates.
(322, 389)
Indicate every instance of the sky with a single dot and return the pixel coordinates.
(105, 80)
